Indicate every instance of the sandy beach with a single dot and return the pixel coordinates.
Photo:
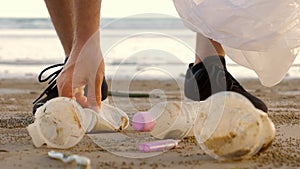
(17, 150)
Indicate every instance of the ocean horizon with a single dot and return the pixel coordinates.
(119, 23)
(144, 47)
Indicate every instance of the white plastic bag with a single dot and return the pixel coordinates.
(262, 35)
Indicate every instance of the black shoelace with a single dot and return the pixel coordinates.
(52, 77)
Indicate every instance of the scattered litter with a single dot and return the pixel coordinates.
(233, 129)
(61, 122)
(161, 145)
(81, 161)
(143, 121)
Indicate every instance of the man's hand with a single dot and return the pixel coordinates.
(85, 67)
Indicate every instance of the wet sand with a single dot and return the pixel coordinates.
(17, 150)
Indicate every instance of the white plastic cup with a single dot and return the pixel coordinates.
(109, 119)
(173, 120)
(268, 130)
(58, 123)
(231, 128)
(227, 126)
(61, 122)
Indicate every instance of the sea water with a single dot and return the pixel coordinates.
(134, 48)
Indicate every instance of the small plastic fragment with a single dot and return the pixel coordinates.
(161, 145)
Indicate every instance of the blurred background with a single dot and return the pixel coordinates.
(139, 38)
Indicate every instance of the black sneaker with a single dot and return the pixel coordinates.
(211, 76)
(51, 91)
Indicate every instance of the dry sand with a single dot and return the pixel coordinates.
(17, 150)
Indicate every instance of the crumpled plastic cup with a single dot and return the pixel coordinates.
(227, 126)
(231, 128)
(58, 123)
(61, 122)
(173, 120)
(109, 119)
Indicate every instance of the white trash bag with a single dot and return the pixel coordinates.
(262, 35)
(253, 25)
